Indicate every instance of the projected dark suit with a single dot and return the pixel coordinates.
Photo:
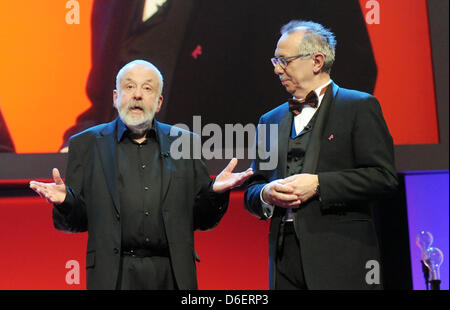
(215, 55)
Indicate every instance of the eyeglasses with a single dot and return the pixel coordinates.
(284, 61)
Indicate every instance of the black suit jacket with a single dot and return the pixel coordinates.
(351, 150)
(92, 204)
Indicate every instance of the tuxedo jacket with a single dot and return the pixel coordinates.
(231, 80)
(92, 204)
(351, 150)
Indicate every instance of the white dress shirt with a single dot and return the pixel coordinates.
(150, 8)
(300, 122)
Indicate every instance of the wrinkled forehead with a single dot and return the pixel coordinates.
(138, 73)
(290, 42)
(295, 36)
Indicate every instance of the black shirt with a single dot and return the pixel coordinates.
(139, 186)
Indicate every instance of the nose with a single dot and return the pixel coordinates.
(137, 94)
(277, 69)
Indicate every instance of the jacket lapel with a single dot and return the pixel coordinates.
(313, 151)
(165, 140)
(283, 135)
(106, 145)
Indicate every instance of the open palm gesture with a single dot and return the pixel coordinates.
(227, 180)
(52, 192)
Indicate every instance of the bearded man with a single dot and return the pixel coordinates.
(139, 205)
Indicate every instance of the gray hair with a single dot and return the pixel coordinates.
(142, 63)
(317, 39)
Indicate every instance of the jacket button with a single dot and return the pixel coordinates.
(116, 251)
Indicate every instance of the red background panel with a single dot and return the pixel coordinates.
(234, 255)
(405, 85)
(34, 253)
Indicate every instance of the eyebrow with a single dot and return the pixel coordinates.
(131, 80)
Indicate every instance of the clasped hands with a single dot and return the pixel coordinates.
(292, 191)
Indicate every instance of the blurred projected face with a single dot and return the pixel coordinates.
(138, 97)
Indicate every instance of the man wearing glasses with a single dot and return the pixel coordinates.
(335, 158)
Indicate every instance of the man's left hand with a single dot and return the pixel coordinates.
(227, 180)
(304, 185)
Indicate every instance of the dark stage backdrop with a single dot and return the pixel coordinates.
(58, 77)
(220, 70)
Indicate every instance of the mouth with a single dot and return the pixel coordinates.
(136, 109)
(283, 79)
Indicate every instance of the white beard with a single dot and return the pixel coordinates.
(138, 124)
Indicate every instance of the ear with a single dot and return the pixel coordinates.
(115, 95)
(319, 61)
(160, 101)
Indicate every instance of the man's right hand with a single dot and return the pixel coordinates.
(281, 195)
(52, 192)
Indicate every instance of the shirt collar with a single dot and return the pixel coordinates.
(122, 129)
(318, 90)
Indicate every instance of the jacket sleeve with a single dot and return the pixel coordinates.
(252, 197)
(209, 207)
(71, 215)
(374, 175)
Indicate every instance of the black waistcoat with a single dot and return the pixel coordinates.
(297, 149)
(296, 155)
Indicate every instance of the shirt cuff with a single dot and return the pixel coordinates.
(218, 198)
(267, 208)
(66, 206)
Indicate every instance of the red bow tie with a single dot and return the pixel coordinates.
(296, 106)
